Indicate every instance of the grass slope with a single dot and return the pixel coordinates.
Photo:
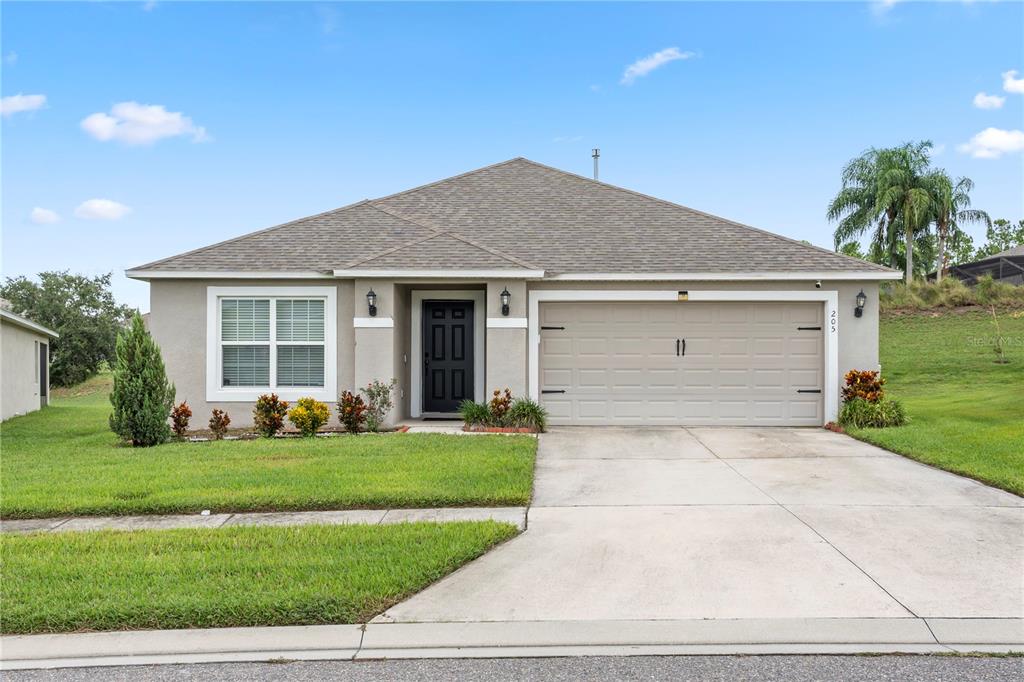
(64, 461)
(967, 412)
(109, 580)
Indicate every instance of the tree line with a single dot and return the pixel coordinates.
(914, 214)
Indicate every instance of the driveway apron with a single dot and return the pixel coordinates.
(739, 523)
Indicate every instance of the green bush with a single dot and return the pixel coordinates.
(268, 414)
(474, 414)
(527, 413)
(379, 401)
(308, 415)
(142, 397)
(863, 414)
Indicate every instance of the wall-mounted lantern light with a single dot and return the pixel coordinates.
(506, 298)
(861, 300)
(371, 302)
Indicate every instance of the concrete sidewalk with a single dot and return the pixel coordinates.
(515, 639)
(514, 515)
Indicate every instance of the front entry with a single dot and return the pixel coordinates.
(447, 355)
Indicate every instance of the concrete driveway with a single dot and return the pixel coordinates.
(740, 523)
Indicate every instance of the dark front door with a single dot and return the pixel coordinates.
(447, 354)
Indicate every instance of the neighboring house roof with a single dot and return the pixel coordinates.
(1006, 266)
(1012, 251)
(517, 215)
(24, 322)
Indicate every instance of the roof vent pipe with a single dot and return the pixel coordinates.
(596, 155)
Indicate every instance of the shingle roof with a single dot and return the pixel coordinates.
(514, 215)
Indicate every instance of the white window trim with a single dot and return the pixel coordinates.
(479, 298)
(217, 393)
(830, 299)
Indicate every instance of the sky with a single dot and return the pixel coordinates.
(132, 131)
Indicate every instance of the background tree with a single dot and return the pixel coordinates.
(1001, 235)
(81, 309)
(142, 397)
(884, 190)
(852, 249)
(951, 207)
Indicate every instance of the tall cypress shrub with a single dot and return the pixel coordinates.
(142, 397)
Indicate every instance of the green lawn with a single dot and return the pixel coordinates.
(63, 460)
(110, 580)
(967, 412)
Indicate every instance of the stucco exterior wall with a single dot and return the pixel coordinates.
(20, 368)
(178, 323)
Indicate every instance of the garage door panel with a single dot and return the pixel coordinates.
(743, 363)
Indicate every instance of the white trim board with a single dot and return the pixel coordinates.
(369, 273)
(369, 322)
(24, 322)
(217, 393)
(507, 323)
(830, 299)
(479, 298)
(222, 274)
(835, 276)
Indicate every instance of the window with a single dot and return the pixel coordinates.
(275, 338)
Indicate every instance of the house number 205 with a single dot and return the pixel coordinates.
(832, 318)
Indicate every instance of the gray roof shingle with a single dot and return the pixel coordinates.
(514, 215)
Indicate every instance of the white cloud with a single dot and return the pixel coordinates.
(43, 216)
(149, 6)
(101, 209)
(15, 103)
(567, 138)
(642, 67)
(1013, 84)
(991, 143)
(134, 123)
(983, 101)
(882, 7)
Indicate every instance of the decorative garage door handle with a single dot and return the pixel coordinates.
(808, 390)
(551, 390)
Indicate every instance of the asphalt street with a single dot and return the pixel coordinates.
(678, 668)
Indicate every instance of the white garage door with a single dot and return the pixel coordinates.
(683, 362)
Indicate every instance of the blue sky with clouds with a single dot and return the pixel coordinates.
(168, 126)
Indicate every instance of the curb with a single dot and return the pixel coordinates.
(516, 639)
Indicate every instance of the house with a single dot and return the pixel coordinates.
(1005, 266)
(606, 305)
(25, 364)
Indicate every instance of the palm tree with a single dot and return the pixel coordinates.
(951, 206)
(883, 187)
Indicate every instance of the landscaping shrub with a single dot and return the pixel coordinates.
(142, 397)
(351, 411)
(864, 384)
(499, 406)
(882, 413)
(504, 411)
(308, 415)
(268, 414)
(474, 414)
(179, 420)
(379, 401)
(526, 413)
(219, 422)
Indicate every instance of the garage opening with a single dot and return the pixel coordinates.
(682, 363)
